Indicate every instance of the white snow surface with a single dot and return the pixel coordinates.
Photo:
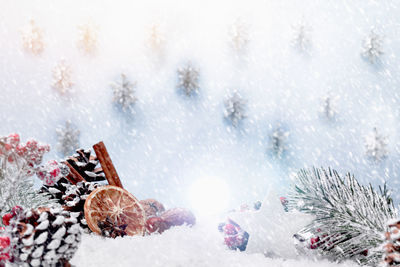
(199, 246)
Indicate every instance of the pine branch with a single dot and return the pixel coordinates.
(350, 218)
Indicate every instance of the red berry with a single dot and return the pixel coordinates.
(54, 173)
(21, 149)
(4, 242)
(314, 242)
(6, 218)
(230, 229)
(16, 210)
(13, 139)
(4, 257)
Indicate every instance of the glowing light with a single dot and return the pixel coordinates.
(209, 196)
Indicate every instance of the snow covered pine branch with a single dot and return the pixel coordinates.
(350, 218)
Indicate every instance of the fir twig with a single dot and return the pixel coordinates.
(350, 218)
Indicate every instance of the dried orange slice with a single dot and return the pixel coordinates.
(119, 205)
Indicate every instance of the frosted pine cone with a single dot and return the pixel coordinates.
(47, 237)
(87, 165)
(58, 190)
(75, 197)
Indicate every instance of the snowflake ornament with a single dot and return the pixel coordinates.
(329, 107)
(32, 38)
(278, 139)
(302, 36)
(88, 36)
(372, 47)
(239, 35)
(62, 81)
(68, 139)
(124, 94)
(235, 109)
(156, 39)
(376, 146)
(188, 79)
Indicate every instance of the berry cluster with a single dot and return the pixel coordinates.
(25, 155)
(234, 236)
(52, 172)
(4, 239)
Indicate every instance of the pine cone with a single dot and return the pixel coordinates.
(44, 237)
(74, 200)
(58, 190)
(86, 165)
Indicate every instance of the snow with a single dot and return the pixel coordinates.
(199, 246)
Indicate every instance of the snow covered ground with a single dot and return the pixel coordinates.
(200, 246)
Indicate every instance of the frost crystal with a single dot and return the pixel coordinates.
(87, 40)
(372, 47)
(62, 78)
(32, 38)
(235, 108)
(302, 36)
(188, 77)
(278, 142)
(239, 35)
(328, 107)
(376, 146)
(68, 139)
(124, 94)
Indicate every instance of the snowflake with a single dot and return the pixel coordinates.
(372, 47)
(239, 35)
(156, 38)
(32, 38)
(87, 40)
(62, 77)
(302, 36)
(235, 108)
(376, 146)
(278, 140)
(124, 94)
(68, 139)
(328, 107)
(188, 77)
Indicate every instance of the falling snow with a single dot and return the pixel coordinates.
(173, 140)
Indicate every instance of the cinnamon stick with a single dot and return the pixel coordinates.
(107, 165)
(74, 177)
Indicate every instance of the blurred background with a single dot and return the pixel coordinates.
(318, 84)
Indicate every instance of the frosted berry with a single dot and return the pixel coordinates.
(21, 149)
(314, 242)
(4, 257)
(6, 218)
(16, 210)
(13, 139)
(230, 229)
(31, 144)
(4, 242)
